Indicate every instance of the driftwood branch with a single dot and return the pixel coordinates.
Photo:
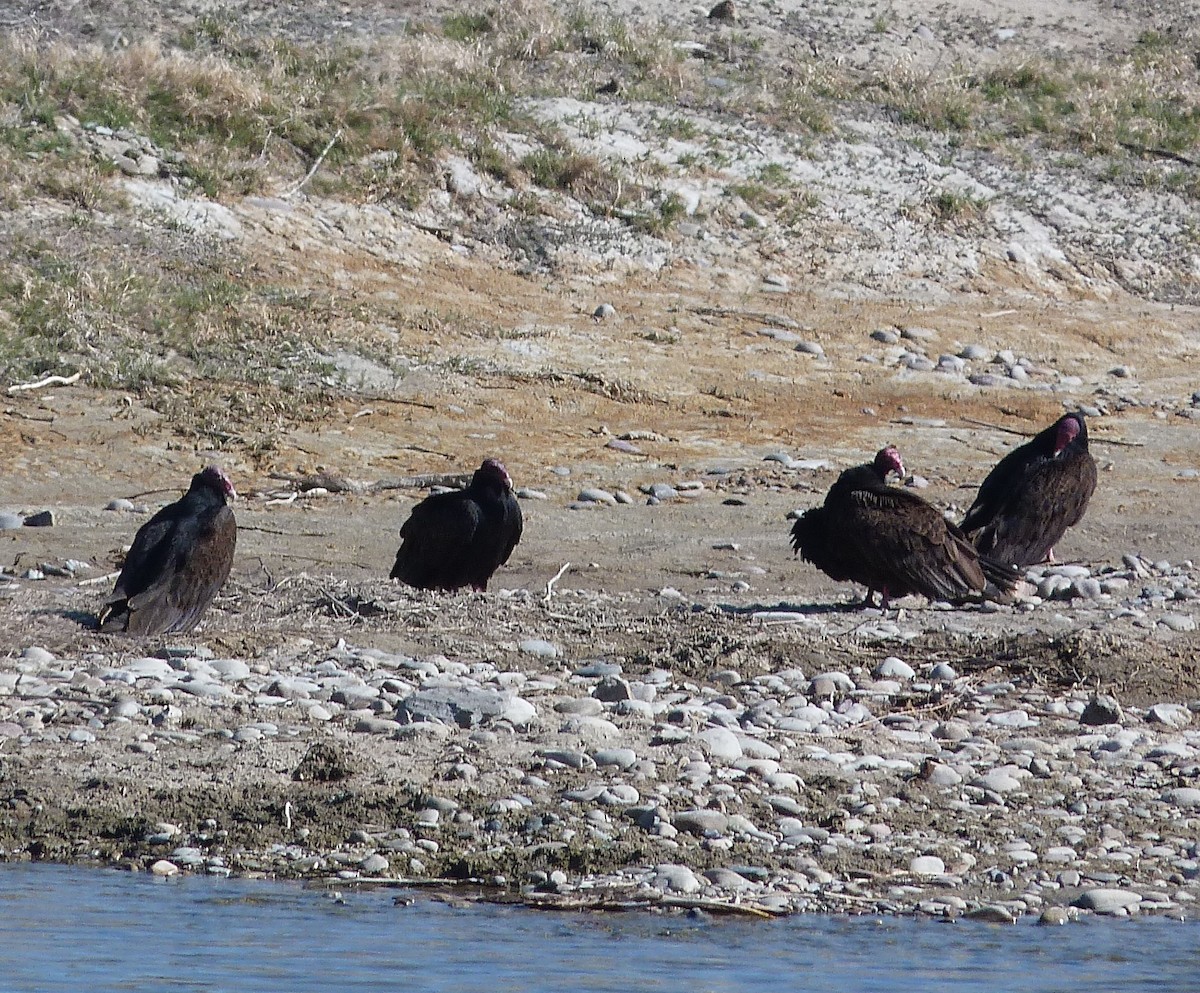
(321, 480)
(422, 481)
(48, 381)
(477, 891)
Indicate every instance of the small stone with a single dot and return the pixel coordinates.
(164, 868)
(324, 762)
(119, 503)
(612, 689)
(810, 348)
(998, 781)
(1183, 796)
(927, 865)
(604, 312)
(42, 519)
(622, 758)
(893, 668)
(724, 12)
(661, 491)
(700, 821)
(676, 879)
(720, 743)
(1174, 715)
(593, 494)
(1101, 709)
(990, 915)
(540, 648)
(374, 865)
(1178, 622)
(36, 655)
(1054, 916)
(1106, 901)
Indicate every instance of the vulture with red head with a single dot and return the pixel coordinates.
(459, 538)
(179, 560)
(893, 542)
(1032, 496)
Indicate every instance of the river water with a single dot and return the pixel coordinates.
(95, 931)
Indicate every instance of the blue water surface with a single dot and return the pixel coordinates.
(94, 931)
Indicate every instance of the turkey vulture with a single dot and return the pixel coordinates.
(461, 537)
(891, 540)
(1033, 495)
(179, 559)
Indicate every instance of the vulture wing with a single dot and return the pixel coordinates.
(436, 542)
(1052, 496)
(906, 546)
(178, 562)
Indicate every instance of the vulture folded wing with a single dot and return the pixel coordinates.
(436, 543)
(997, 487)
(512, 526)
(909, 547)
(814, 540)
(198, 557)
(1053, 497)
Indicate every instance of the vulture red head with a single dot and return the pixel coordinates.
(887, 461)
(1068, 431)
(493, 471)
(215, 478)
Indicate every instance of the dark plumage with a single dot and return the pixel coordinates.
(460, 538)
(1033, 494)
(179, 559)
(891, 540)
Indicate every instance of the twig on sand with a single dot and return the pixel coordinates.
(997, 427)
(776, 320)
(978, 448)
(554, 579)
(1159, 153)
(1027, 434)
(286, 534)
(48, 381)
(315, 166)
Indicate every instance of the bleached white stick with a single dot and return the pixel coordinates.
(98, 579)
(48, 381)
(557, 576)
(315, 166)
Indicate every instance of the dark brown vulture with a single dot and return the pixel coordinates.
(892, 541)
(179, 559)
(1032, 496)
(461, 537)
